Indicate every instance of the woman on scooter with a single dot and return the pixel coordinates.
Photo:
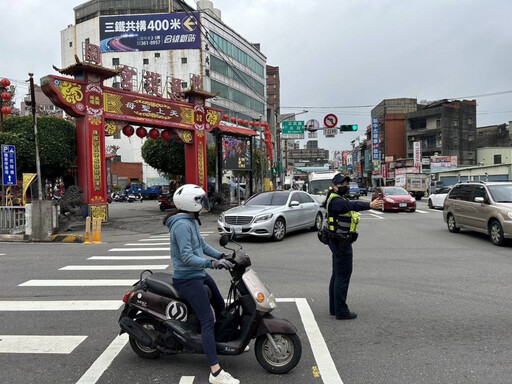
(188, 250)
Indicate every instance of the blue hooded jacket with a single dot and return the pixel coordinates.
(188, 248)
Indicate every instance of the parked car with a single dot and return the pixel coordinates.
(436, 199)
(353, 193)
(273, 214)
(363, 190)
(481, 207)
(395, 199)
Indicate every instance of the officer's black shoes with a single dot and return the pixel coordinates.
(348, 316)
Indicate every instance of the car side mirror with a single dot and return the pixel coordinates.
(294, 203)
(479, 199)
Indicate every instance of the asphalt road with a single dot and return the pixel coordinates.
(433, 306)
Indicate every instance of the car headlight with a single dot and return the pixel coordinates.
(221, 217)
(509, 214)
(264, 217)
(413, 200)
(389, 200)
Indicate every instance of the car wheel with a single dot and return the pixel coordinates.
(412, 210)
(430, 205)
(279, 230)
(496, 232)
(450, 221)
(318, 222)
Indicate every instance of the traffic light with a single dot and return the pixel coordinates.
(274, 168)
(350, 127)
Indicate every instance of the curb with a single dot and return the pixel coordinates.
(68, 238)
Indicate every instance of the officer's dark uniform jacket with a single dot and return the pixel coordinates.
(342, 216)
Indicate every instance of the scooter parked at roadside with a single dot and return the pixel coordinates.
(159, 320)
(165, 202)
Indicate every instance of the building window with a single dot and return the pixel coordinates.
(157, 54)
(115, 61)
(87, 41)
(117, 135)
(497, 159)
(470, 121)
(184, 85)
(455, 123)
(145, 61)
(70, 44)
(438, 123)
(183, 60)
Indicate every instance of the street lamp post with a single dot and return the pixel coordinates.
(278, 139)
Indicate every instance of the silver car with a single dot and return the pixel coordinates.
(273, 214)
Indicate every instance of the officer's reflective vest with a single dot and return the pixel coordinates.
(343, 222)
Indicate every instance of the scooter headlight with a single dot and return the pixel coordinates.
(272, 301)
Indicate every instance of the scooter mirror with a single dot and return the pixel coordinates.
(224, 239)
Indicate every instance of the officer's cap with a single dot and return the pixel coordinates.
(339, 178)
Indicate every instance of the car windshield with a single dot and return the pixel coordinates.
(354, 186)
(395, 191)
(444, 190)
(501, 193)
(270, 198)
(319, 187)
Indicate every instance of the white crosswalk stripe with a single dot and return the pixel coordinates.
(39, 344)
(112, 267)
(166, 257)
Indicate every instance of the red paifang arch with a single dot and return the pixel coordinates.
(101, 111)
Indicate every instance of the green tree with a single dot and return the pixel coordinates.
(57, 144)
(167, 157)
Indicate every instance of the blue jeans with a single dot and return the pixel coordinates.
(194, 291)
(340, 278)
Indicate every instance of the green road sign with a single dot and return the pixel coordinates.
(292, 129)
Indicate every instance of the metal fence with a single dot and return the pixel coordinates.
(12, 220)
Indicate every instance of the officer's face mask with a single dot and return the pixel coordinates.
(343, 190)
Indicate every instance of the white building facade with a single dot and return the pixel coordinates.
(226, 63)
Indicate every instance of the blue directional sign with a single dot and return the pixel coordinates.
(8, 164)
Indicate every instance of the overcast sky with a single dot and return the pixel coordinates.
(332, 54)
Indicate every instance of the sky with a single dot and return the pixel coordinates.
(334, 56)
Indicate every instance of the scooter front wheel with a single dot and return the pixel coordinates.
(142, 350)
(281, 354)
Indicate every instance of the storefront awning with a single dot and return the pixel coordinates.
(236, 130)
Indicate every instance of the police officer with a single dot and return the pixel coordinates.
(342, 220)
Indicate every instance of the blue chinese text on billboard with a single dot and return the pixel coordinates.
(156, 32)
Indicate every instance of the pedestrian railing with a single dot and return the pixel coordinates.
(12, 220)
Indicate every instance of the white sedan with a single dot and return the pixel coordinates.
(436, 200)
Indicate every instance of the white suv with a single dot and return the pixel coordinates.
(481, 207)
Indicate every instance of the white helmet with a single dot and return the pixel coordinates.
(190, 198)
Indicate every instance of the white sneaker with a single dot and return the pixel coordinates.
(223, 378)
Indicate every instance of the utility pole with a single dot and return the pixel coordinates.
(34, 119)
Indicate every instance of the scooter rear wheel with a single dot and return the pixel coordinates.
(142, 350)
(287, 356)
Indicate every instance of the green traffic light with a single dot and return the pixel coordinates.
(350, 127)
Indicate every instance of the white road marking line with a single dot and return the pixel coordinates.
(323, 358)
(101, 364)
(129, 257)
(139, 244)
(61, 305)
(2, 254)
(112, 267)
(137, 249)
(153, 239)
(161, 235)
(39, 344)
(377, 216)
(377, 212)
(417, 210)
(187, 380)
(79, 283)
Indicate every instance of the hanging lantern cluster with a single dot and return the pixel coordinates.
(142, 132)
(6, 96)
(268, 139)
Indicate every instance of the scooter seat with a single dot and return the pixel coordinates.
(161, 283)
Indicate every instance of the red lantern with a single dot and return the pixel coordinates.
(225, 117)
(246, 122)
(128, 130)
(240, 121)
(5, 83)
(6, 96)
(257, 124)
(251, 123)
(6, 110)
(141, 132)
(154, 134)
(233, 119)
(166, 135)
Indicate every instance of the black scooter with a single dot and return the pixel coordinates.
(159, 320)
